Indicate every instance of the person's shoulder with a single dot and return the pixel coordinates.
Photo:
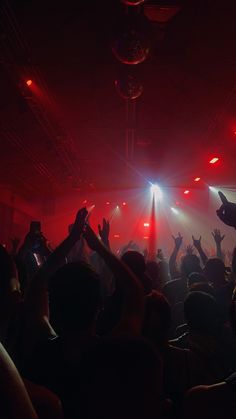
(172, 283)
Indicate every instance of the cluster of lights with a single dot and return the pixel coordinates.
(197, 178)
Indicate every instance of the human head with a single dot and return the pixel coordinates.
(135, 261)
(195, 278)
(153, 270)
(202, 313)
(157, 320)
(215, 271)
(74, 298)
(189, 264)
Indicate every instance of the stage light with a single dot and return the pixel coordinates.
(116, 236)
(146, 224)
(117, 207)
(108, 203)
(214, 160)
(156, 191)
(146, 237)
(186, 192)
(85, 202)
(174, 210)
(197, 179)
(213, 189)
(124, 204)
(29, 82)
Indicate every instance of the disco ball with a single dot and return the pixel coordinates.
(133, 2)
(131, 47)
(129, 87)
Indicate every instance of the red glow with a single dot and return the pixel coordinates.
(197, 179)
(214, 160)
(146, 237)
(177, 203)
(84, 202)
(29, 82)
(116, 236)
(186, 192)
(146, 224)
(124, 204)
(108, 203)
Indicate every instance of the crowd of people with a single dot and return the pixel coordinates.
(86, 334)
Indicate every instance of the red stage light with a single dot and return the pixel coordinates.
(146, 237)
(85, 202)
(116, 236)
(197, 179)
(186, 192)
(108, 203)
(124, 204)
(214, 160)
(146, 224)
(29, 82)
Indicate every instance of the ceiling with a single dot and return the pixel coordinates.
(66, 133)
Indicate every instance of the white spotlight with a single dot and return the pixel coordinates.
(156, 191)
(174, 210)
(213, 189)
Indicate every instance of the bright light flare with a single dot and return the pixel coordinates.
(156, 192)
(213, 189)
(108, 203)
(214, 160)
(29, 82)
(197, 179)
(116, 236)
(146, 224)
(174, 210)
(186, 192)
(124, 204)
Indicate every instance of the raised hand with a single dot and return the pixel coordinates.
(197, 243)
(104, 231)
(92, 239)
(79, 224)
(227, 211)
(217, 236)
(178, 240)
(189, 249)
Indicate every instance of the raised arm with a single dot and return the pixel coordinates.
(104, 232)
(172, 262)
(218, 238)
(36, 300)
(133, 304)
(197, 244)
